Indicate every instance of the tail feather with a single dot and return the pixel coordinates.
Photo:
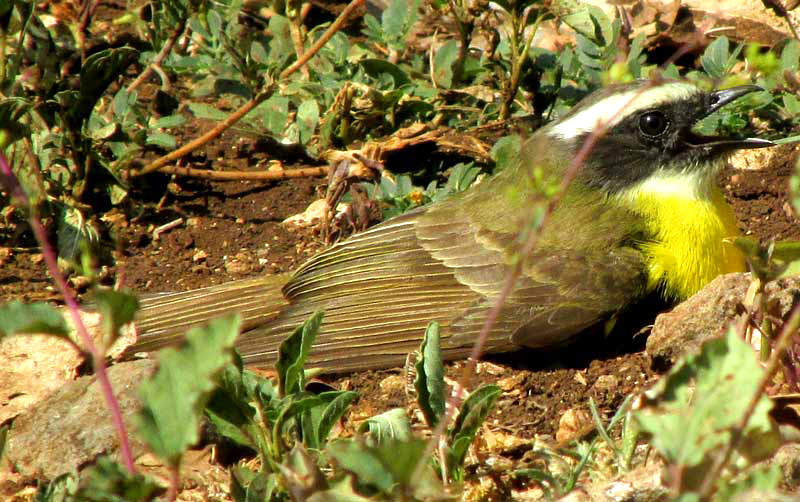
(164, 318)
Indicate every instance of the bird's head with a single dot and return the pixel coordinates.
(648, 134)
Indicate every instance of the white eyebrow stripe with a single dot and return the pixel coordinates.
(611, 110)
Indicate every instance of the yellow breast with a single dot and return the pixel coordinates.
(690, 229)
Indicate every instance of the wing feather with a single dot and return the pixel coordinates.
(447, 263)
(380, 289)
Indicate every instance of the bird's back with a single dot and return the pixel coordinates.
(448, 263)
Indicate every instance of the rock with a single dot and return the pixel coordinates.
(788, 458)
(605, 383)
(73, 425)
(642, 484)
(573, 424)
(739, 20)
(709, 312)
(36, 365)
(576, 495)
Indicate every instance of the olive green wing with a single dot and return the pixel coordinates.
(582, 267)
(164, 318)
(381, 288)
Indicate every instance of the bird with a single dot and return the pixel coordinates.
(642, 215)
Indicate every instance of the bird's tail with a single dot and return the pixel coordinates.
(164, 318)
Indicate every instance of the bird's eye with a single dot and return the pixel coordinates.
(653, 123)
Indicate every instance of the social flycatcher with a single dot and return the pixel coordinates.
(642, 214)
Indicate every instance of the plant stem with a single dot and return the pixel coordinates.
(464, 39)
(98, 359)
(258, 99)
(294, 13)
(210, 135)
(307, 172)
(737, 433)
(330, 32)
(518, 58)
(162, 54)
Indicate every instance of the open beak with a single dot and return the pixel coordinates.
(717, 100)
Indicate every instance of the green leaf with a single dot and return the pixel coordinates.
(671, 71)
(375, 68)
(280, 47)
(11, 111)
(229, 408)
(106, 132)
(61, 489)
(122, 103)
(635, 57)
(382, 466)
(430, 377)
(604, 25)
(689, 423)
(389, 425)
(259, 53)
(168, 121)
(249, 486)
(461, 177)
(261, 389)
(790, 57)
(162, 139)
(73, 232)
(116, 193)
(332, 413)
(630, 439)
(102, 68)
(591, 22)
(768, 262)
(444, 63)
(373, 29)
(340, 491)
(292, 355)
(337, 48)
(472, 414)
(294, 413)
(397, 19)
(715, 57)
(787, 256)
(107, 481)
(214, 21)
(3, 438)
(275, 114)
(506, 151)
(792, 104)
(97, 73)
(117, 309)
(204, 111)
(307, 119)
(31, 318)
(173, 399)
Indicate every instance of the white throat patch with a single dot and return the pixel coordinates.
(612, 109)
(691, 184)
